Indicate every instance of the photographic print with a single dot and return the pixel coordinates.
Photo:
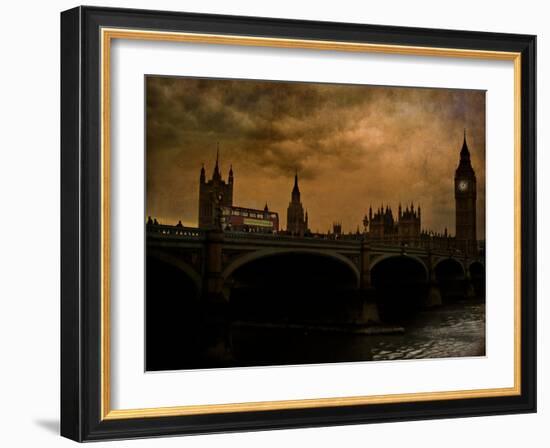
(300, 223)
(255, 201)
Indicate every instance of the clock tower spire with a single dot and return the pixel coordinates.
(465, 202)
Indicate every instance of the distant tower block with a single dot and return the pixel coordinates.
(465, 202)
(296, 219)
(214, 193)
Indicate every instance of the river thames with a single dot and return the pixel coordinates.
(456, 330)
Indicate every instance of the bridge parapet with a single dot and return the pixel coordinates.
(228, 236)
(420, 247)
(425, 242)
(166, 230)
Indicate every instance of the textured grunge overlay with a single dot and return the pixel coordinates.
(353, 145)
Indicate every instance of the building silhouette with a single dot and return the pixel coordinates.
(409, 223)
(296, 219)
(406, 227)
(214, 194)
(465, 202)
(216, 209)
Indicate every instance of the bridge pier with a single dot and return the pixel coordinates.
(433, 297)
(213, 267)
(217, 331)
(368, 309)
(469, 289)
(216, 311)
(367, 312)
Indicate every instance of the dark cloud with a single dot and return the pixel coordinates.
(353, 145)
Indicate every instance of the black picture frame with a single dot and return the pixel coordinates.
(81, 381)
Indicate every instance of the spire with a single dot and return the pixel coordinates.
(203, 175)
(230, 179)
(265, 208)
(217, 174)
(465, 152)
(465, 165)
(296, 190)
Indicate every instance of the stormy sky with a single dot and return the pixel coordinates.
(352, 145)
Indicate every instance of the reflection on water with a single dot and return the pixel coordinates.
(451, 331)
(299, 309)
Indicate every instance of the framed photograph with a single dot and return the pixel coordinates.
(273, 223)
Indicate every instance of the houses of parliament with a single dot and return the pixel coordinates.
(216, 210)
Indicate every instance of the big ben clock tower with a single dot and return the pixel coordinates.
(465, 202)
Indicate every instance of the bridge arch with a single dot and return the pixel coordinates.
(476, 264)
(256, 255)
(172, 312)
(449, 260)
(179, 264)
(450, 275)
(401, 285)
(384, 258)
(296, 285)
(476, 270)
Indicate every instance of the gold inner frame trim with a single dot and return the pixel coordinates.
(107, 35)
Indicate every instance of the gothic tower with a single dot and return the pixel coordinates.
(296, 223)
(408, 224)
(214, 194)
(465, 202)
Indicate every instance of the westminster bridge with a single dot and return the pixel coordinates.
(214, 261)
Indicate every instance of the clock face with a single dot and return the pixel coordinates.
(463, 185)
